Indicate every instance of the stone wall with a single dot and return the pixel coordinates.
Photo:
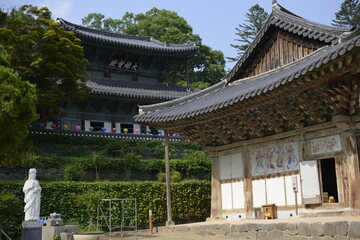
(340, 230)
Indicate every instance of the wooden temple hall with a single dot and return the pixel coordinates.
(124, 71)
(283, 126)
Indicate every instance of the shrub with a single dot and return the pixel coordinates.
(175, 176)
(161, 177)
(10, 209)
(74, 172)
(190, 199)
(88, 201)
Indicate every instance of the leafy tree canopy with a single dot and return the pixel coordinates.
(44, 54)
(255, 18)
(17, 110)
(167, 26)
(349, 14)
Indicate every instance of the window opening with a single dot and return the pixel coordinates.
(70, 123)
(97, 125)
(129, 127)
(328, 179)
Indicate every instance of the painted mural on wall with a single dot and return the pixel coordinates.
(326, 144)
(275, 159)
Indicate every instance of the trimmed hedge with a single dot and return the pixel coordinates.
(190, 199)
(81, 145)
(193, 165)
(186, 164)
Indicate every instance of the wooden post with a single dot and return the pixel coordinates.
(352, 164)
(249, 207)
(216, 201)
(167, 172)
(150, 222)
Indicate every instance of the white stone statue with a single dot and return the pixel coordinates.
(32, 192)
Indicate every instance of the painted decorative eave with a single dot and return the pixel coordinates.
(223, 94)
(136, 90)
(145, 45)
(283, 19)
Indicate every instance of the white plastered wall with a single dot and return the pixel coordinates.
(277, 190)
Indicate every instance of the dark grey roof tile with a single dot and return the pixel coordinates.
(138, 90)
(222, 95)
(284, 19)
(138, 43)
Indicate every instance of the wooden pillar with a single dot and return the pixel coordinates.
(248, 195)
(352, 162)
(216, 203)
(168, 187)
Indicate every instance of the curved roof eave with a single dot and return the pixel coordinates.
(147, 44)
(225, 94)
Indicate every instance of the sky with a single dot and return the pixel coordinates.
(214, 21)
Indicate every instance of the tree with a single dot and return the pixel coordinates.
(167, 26)
(44, 54)
(255, 18)
(349, 14)
(17, 110)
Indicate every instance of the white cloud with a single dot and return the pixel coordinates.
(59, 8)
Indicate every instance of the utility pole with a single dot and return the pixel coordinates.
(167, 172)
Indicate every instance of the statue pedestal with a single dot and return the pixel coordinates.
(31, 230)
(55, 226)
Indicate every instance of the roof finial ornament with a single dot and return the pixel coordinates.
(275, 5)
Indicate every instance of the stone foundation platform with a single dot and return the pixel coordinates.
(277, 229)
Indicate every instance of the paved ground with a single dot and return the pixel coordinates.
(166, 233)
(167, 236)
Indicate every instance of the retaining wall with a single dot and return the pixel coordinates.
(340, 230)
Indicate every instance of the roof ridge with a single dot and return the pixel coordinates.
(282, 18)
(284, 12)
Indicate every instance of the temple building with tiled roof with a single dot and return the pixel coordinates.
(124, 72)
(282, 127)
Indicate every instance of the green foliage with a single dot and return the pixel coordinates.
(197, 162)
(98, 162)
(44, 54)
(131, 161)
(88, 201)
(208, 66)
(255, 18)
(17, 111)
(81, 146)
(9, 204)
(57, 237)
(161, 177)
(175, 176)
(195, 85)
(30, 159)
(10, 209)
(349, 14)
(191, 199)
(190, 165)
(74, 172)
